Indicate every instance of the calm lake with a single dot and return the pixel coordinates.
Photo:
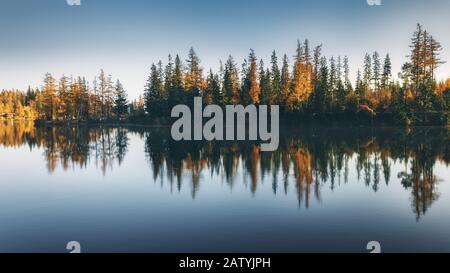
(135, 190)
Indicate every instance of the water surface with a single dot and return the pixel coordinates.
(135, 190)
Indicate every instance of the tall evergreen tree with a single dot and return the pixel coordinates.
(176, 93)
(212, 93)
(387, 72)
(154, 93)
(341, 91)
(64, 102)
(265, 83)
(285, 82)
(194, 82)
(168, 76)
(48, 100)
(367, 75)
(347, 82)
(321, 98)
(360, 88)
(275, 79)
(301, 78)
(252, 91)
(120, 101)
(332, 84)
(376, 72)
(231, 85)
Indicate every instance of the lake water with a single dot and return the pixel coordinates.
(135, 190)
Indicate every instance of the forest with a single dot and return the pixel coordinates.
(308, 87)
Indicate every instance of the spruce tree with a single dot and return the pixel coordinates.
(120, 101)
(367, 74)
(231, 85)
(275, 79)
(212, 91)
(341, 91)
(347, 82)
(285, 82)
(194, 75)
(176, 94)
(387, 72)
(168, 76)
(254, 91)
(154, 93)
(332, 85)
(376, 72)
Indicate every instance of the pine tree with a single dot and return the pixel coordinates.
(285, 82)
(109, 97)
(302, 76)
(341, 91)
(212, 91)
(387, 72)
(316, 64)
(332, 85)
(104, 89)
(254, 91)
(168, 76)
(417, 49)
(220, 97)
(264, 97)
(64, 102)
(376, 74)
(154, 93)
(231, 85)
(265, 83)
(48, 100)
(296, 93)
(434, 51)
(194, 82)
(347, 82)
(322, 96)
(82, 100)
(176, 93)
(73, 100)
(275, 80)
(360, 89)
(424, 59)
(120, 101)
(367, 75)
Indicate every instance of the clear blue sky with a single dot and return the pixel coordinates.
(125, 36)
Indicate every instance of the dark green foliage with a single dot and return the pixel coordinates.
(120, 101)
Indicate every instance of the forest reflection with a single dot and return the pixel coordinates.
(307, 159)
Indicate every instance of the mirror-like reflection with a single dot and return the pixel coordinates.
(308, 159)
(69, 146)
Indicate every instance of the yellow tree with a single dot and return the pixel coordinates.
(193, 79)
(49, 98)
(302, 77)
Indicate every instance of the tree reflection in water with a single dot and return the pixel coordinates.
(309, 159)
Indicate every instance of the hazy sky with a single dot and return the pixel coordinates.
(124, 37)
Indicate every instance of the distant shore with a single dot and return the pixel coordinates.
(285, 121)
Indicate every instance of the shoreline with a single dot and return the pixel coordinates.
(283, 124)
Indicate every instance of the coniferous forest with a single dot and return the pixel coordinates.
(307, 86)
